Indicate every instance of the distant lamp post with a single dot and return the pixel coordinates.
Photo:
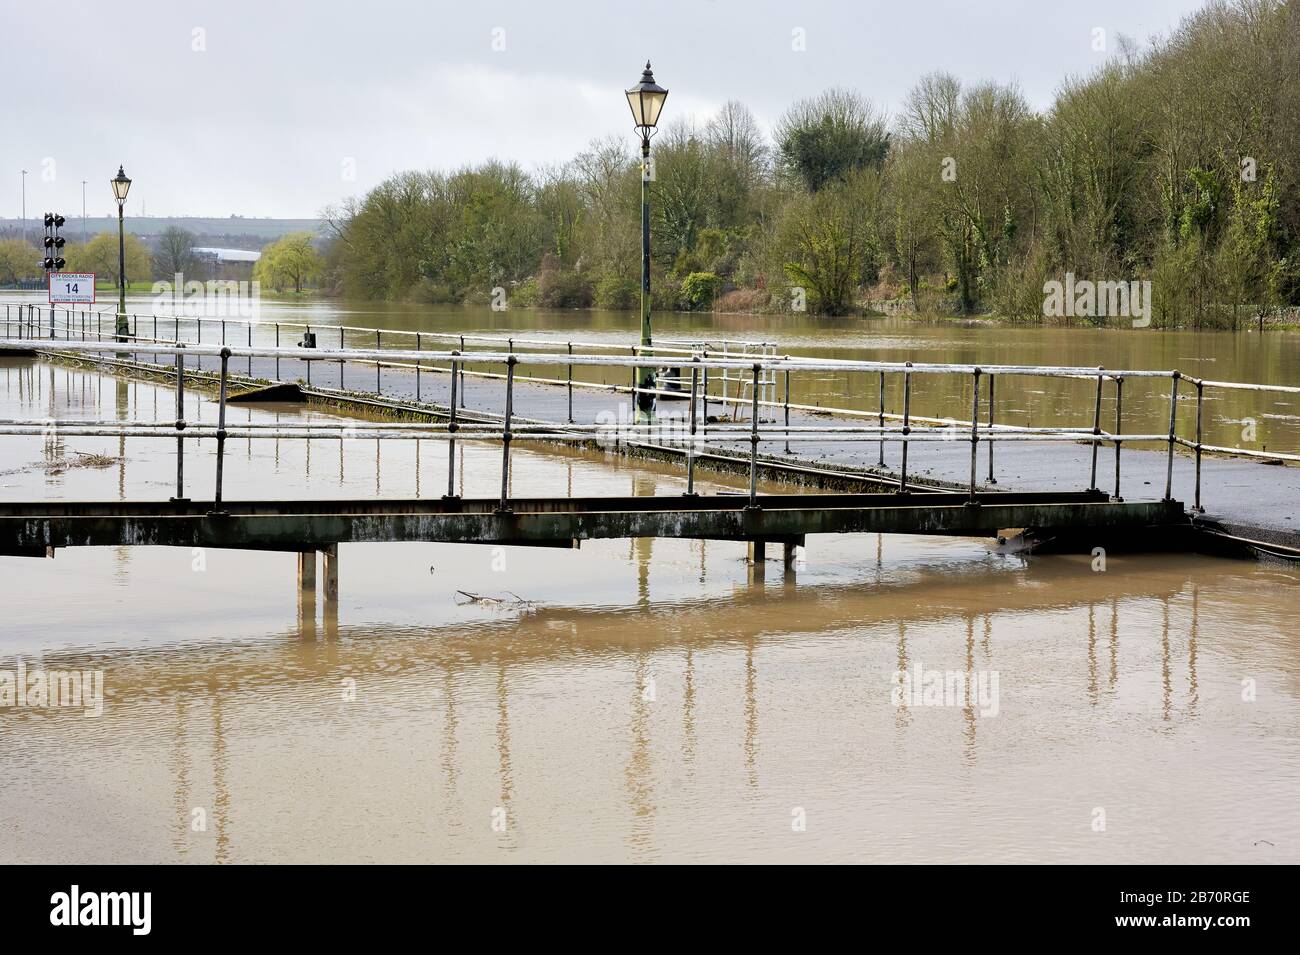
(646, 100)
(121, 186)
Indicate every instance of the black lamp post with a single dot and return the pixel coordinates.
(121, 186)
(646, 100)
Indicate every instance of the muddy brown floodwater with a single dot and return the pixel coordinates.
(640, 701)
(1232, 418)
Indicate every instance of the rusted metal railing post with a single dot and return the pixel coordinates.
(569, 386)
(690, 441)
(633, 389)
(880, 420)
(417, 371)
(1200, 397)
(991, 479)
(250, 345)
(1119, 412)
(907, 427)
(505, 434)
(753, 441)
(1096, 429)
(221, 424)
(1173, 426)
(180, 423)
(451, 429)
(277, 357)
(704, 397)
(787, 411)
(974, 428)
(307, 361)
(379, 382)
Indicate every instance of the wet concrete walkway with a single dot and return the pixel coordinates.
(1246, 497)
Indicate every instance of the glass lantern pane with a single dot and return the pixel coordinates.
(654, 102)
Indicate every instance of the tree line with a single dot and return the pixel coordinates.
(1173, 165)
(290, 263)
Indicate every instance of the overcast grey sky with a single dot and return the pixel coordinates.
(265, 108)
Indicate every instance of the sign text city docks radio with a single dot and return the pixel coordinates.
(72, 288)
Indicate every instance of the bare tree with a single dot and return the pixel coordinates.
(175, 253)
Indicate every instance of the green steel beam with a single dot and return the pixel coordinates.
(30, 528)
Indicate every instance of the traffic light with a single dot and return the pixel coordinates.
(53, 243)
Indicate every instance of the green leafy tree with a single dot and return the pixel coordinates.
(289, 262)
(100, 255)
(1251, 273)
(19, 261)
(699, 289)
(828, 242)
(822, 140)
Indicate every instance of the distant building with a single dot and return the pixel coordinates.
(228, 263)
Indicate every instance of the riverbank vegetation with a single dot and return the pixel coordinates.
(1174, 165)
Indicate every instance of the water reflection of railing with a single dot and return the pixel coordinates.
(692, 435)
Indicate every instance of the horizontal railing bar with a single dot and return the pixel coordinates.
(669, 347)
(540, 358)
(652, 428)
(767, 362)
(1242, 386)
(1247, 452)
(206, 430)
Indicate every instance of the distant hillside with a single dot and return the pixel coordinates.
(235, 232)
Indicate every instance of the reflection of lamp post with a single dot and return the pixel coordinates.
(121, 186)
(646, 100)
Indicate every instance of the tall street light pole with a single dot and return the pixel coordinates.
(121, 186)
(646, 100)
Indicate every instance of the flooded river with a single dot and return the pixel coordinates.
(1241, 419)
(638, 701)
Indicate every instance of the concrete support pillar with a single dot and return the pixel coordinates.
(307, 594)
(330, 619)
(788, 554)
(330, 555)
(307, 570)
(757, 556)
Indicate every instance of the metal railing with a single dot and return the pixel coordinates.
(907, 430)
(50, 322)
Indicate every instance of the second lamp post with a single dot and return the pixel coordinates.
(647, 100)
(121, 185)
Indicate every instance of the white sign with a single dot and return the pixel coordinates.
(69, 288)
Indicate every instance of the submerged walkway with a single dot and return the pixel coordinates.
(1247, 498)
